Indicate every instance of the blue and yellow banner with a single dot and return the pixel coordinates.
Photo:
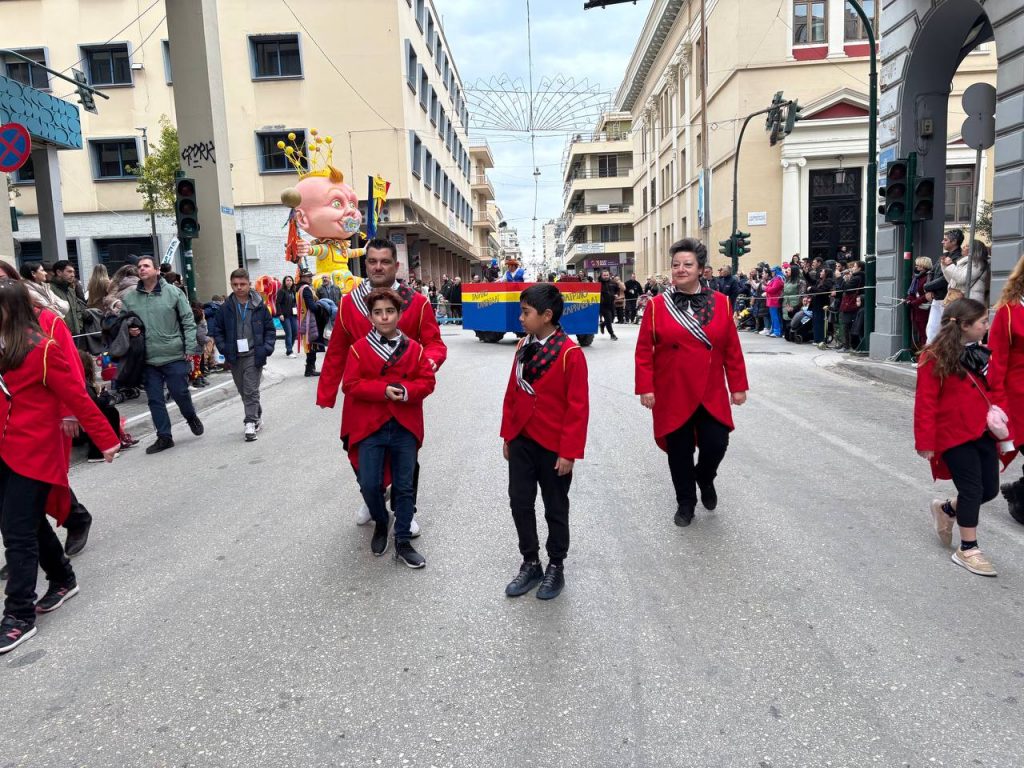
(495, 306)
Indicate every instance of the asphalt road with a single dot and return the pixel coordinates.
(231, 614)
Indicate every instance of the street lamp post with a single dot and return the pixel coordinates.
(872, 182)
(152, 213)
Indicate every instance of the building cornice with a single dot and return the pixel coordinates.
(656, 29)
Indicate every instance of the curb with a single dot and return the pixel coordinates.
(895, 374)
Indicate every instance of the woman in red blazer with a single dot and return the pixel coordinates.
(38, 384)
(1006, 371)
(954, 429)
(688, 361)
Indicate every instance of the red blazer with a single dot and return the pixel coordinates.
(1006, 366)
(682, 373)
(417, 322)
(949, 413)
(43, 387)
(556, 415)
(367, 409)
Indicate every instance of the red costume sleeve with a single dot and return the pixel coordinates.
(418, 389)
(926, 403)
(998, 363)
(334, 366)
(644, 355)
(735, 366)
(577, 413)
(430, 336)
(354, 385)
(61, 378)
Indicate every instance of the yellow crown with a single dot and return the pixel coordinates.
(315, 158)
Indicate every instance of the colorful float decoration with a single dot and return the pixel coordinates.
(323, 206)
(491, 310)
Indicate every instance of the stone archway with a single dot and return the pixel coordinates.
(923, 43)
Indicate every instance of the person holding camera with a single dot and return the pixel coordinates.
(937, 286)
(690, 372)
(850, 303)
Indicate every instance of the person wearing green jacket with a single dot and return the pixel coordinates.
(791, 293)
(64, 285)
(170, 333)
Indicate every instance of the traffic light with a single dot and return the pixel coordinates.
(924, 199)
(741, 243)
(726, 247)
(186, 209)
(84, 94)
(414, 261)
(773, 123)
(894, 193)
(792, 115)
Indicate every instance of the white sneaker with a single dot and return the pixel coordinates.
(765, 332)
(250, 432)
(290, 354)
(414, 529)
(363, 514)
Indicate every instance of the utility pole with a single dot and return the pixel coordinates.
(152, 213)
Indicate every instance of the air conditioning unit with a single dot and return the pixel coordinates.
(137, 66)
(385, 214)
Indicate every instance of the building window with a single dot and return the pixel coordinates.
(26, 174)
(428, 168)
(645, 199)
(809, 23)
(112, 159)
(698, 63)
(608, 234)
(435, 106)
(415, 150)
(438, 55)
(607, 166)
(424, 89)
(444, 188)
(108, 64)
(165, 49)
(420, 13)
(959, 190)
(855, 27)
(412, 66)
(275, 57)
(272, 159)
(437, 178)
(430, 33)
(654, 195)
(25, 73)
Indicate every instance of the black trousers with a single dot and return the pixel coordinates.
(975, 470)
(114, 419)
(630, 310)
(607, 319)
(29, 542)
(531, 466)
(703, 433)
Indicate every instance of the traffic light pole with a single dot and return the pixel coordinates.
(736, 175)
(190, 271)
(870, 271)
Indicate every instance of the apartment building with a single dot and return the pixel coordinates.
(553, 243)
(599, 199)
(282, 74)
(485, 225)
(808, 194)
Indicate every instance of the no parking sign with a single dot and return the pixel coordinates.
(15, 147)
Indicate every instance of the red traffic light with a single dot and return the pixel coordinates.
(185, 188)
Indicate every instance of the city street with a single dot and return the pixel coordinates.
(231, 613)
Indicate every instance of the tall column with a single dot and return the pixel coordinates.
(194, 32)
(6, 235)
(835, 20)
(50, 203)
(793, 208)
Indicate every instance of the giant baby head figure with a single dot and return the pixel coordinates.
(329, 208)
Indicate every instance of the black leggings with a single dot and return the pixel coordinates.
(703, 433)
(975, 470)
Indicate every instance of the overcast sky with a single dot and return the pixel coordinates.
(488, 38)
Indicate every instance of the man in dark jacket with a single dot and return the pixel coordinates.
(609, 290)
(728, 285)
(65, 285)
(633, 292)
(244, 333)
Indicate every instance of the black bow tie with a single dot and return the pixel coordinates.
(392, 343)
(692, 301)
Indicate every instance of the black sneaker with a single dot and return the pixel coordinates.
(1012, 494)
(553, 582)
(195, 425)
(161, 444)
(379, 542)
(311, 374)
(684, 516)
(529, 576)
(76, 540)
(408, 555)
(14, 632)
(56, 596)
(709, 496)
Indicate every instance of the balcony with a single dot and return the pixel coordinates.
(480, 154)
(585, 178)
(604, 143)
(485, 222)
(481, 185)
(597, 215)
(576, 253)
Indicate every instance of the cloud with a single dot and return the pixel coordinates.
(488, 38)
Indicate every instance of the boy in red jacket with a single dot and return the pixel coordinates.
(544, 426)
(386, 378)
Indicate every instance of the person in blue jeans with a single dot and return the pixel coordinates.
(288, 313)
(170, 334)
